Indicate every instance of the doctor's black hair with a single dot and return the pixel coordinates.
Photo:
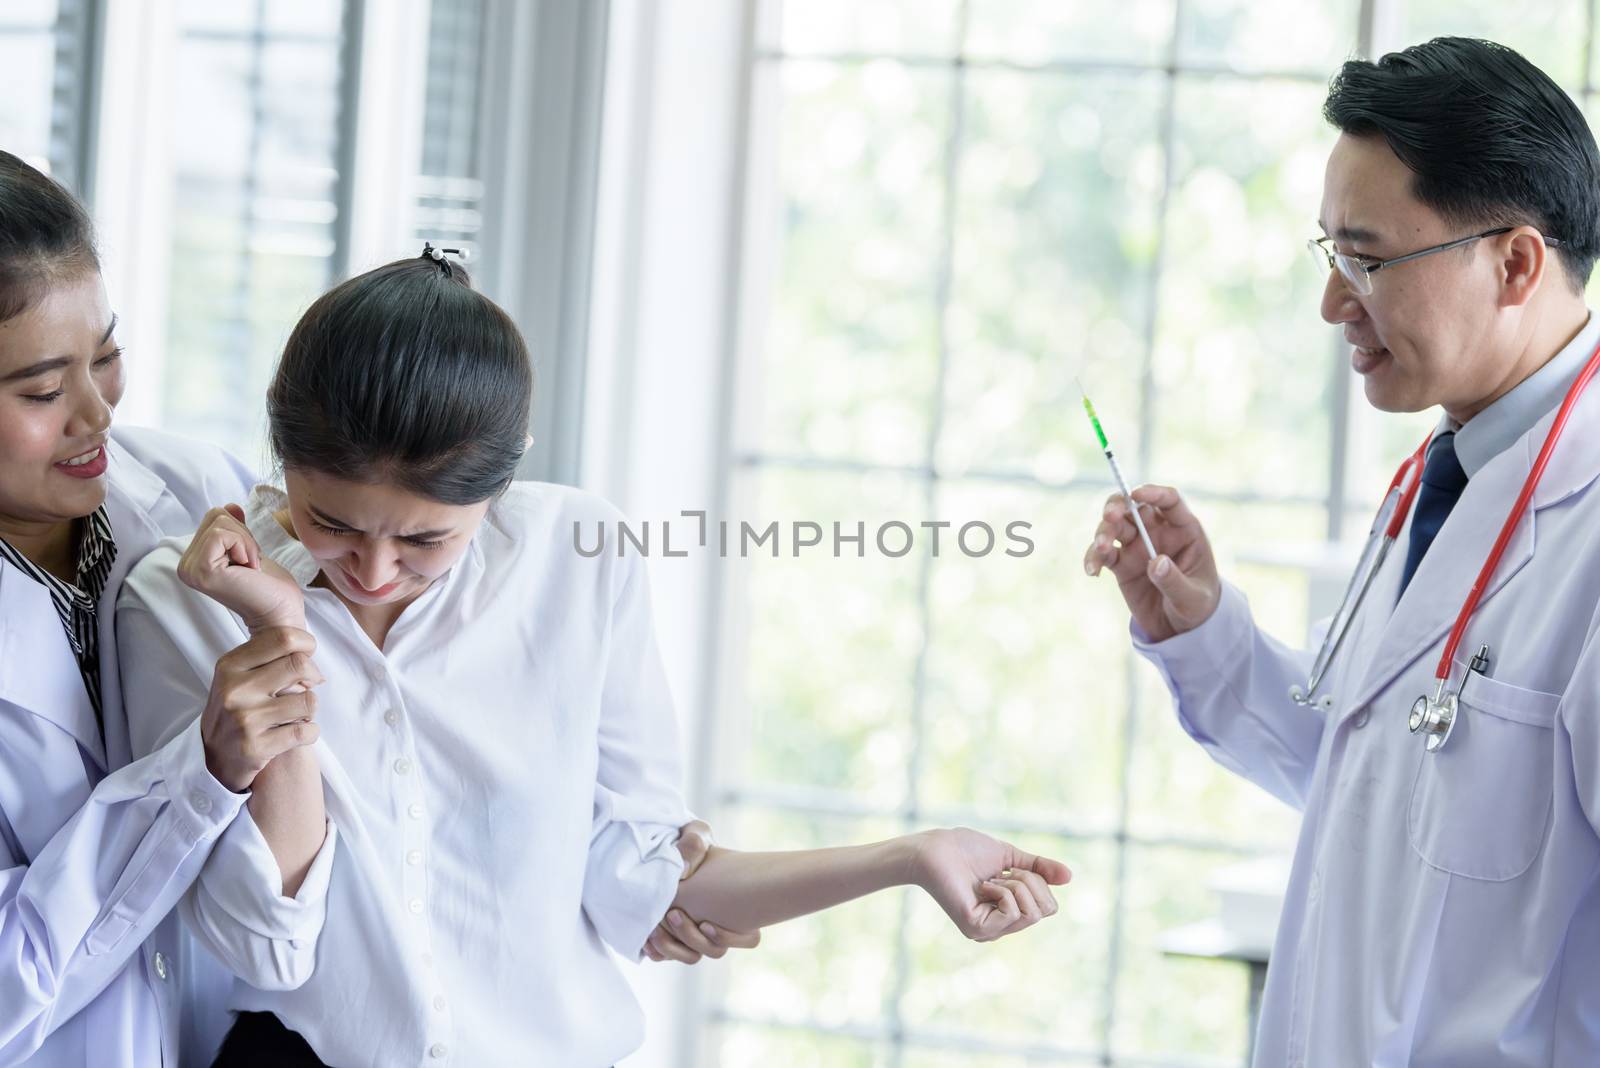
(45, 236)
(1492, 140)
(406, 375)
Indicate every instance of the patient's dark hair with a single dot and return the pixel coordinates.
(1491, 139)
(406, 375)
(45, 236)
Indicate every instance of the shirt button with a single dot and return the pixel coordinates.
(415, 812)
(161, 967)
(1362, 717)
(391, 717)
(415, 906)
(438, 1051)
(438, 1002)
(202, 803)
(414, 857)
(379, 675)
(402, 766)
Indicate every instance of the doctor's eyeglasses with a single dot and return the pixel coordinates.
(1357, 271)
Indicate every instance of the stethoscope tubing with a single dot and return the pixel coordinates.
(1518, 509)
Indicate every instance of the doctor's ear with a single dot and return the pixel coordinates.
(527, 443)
(1525, 260)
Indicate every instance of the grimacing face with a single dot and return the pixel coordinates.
(377, 544)
(61, 376)
(1434, 330)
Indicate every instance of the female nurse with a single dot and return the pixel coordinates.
(94, 850)
(498, 764)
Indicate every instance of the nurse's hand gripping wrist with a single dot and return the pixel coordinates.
(224, 562)
(1180, 588)
(261, 704)
(681, 937)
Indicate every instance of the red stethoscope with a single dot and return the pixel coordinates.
(1434, 716)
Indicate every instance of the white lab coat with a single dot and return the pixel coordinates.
(1444, 909)
(92, 863)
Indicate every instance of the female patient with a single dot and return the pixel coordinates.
(498, 759)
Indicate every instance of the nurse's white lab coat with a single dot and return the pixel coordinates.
(92, 863)
(1444, 909)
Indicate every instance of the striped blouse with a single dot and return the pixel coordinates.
(77, 603)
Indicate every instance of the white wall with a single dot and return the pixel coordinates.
(660, 334)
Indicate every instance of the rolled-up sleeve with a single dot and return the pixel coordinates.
(235, 910)
(71, 917)
(633, 867)
(1230, 682)
(169, 640)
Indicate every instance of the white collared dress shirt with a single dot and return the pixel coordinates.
(502, 786)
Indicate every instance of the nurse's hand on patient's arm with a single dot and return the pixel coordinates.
(259, 718)
(679, 937)
(1180, 588)
(261, 704)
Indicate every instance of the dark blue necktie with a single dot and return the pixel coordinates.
(1442, 483)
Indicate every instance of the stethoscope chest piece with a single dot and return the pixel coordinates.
(1435, 717)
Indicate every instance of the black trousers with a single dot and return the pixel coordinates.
(259, 1040)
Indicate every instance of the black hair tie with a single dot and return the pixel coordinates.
(437, 256)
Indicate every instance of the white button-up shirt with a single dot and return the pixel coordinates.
(502, 781)
(1444, 908)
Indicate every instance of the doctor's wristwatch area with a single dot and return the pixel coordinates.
(1432, 715)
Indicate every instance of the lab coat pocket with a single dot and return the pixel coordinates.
(1480, 806)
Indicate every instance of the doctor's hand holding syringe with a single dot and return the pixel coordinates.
(1161, 557)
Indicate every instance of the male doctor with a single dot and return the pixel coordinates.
(1444, 907)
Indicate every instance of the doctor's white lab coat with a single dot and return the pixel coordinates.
(1444, 909)
(92, 859)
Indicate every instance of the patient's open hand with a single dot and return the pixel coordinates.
(988, 888)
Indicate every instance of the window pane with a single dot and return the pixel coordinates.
(1246, 34)
(28, 58)
(254, 213)
(1242, 361)
(1028, 667)
(218, 16)
(1176, 788)
(315, 17)
(832, 642)
(883, 27)
(1040, 987)
(1551, 35)
(449, 185)
(1169, 1005)
(835, 968)
(916, 1057)
(850, 355)
(775, 1048)
(28, 15)
(1043, 31)
(1054, 241)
